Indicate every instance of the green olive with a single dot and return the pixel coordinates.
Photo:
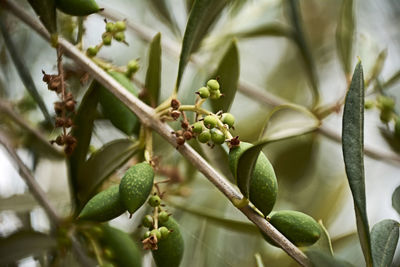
(107, 39)
(198, 127)
(204, 137)
(213, 85)
(154, 201)
(228, 119)
(132, 67)
(263, 188)
(164, 232)
(215, 95)
(156, 232)
(147, 221)
(163, 216)
(217, 136)
(136, 186)
(77, 7)
(120, 26)
(204, 92)
(110, 27)
(210, 121)
(119, 36)
(92, 51)
(104, 206)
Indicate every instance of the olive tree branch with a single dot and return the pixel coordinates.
(254, 92)
(148, 118)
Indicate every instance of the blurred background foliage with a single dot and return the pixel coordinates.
(295, 58)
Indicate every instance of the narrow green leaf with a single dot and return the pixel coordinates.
(392, 80)
(163, 11)
(353, 153)
(82, 131)
(344, 35)
(102, 164)
(384, 238)
(46, 10)
(153, 75)
(23, 244)
(322, 259)
(259, 262)
(201, 17)
(396, 199)
(270, 29)
(228, 74)
(23, 70)
(377, 68)
(324, 243)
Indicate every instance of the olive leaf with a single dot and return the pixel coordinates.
(82, 131)
(46, 11)
(324, 243)
(353, 153)
(153, 74)
(269, 29)
(23, 71)
(201, 17)
(102, 164)
(162, 9)
(396, 199)
(384, 238)
(23, 244)
(319, 259)
(228, 77)
(344, 35)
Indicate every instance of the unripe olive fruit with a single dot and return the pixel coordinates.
(133, 66)
(147, 234)
(104, 206)
(299, 228)
(107, 39)
(154, 201)
(163, 216)
(215, 94)
(198, 127)
(213, 85)
(263, 187)
(147, 221)
(120, 26)
(369, 104)
(204, 92)
(77, 7)
(210, 121)
(110, 27)
(170, 249)
(204, 137)
(228, 118)
(217, 136)
(164, 232)
(156, 232)
(92, 51)
(136, 186)
(119, 36)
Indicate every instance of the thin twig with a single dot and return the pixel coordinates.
(148, 118)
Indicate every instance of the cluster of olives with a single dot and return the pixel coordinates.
(114, 31)
(211, 90)
(207, 129)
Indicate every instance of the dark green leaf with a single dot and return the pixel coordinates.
(46, 10)
(24, 244)
(153, 75)
(322, 259)
(162, 9)
(82, 131)
(344, 35)
(228, 74)
(23, 71)
(396, 199)
(271, 29)
(201, 17)
(353, 153)
(102, 164)
(392, 80)
(384, 238)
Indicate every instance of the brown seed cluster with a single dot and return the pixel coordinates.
(186, 133)
(65, 110)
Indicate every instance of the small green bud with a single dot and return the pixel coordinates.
(204, 137)
(163, 217)
(198, 127)
(217, 136)
(147, 234)
(164, 232)
(156, 232)
(228, 118)
(213, 85)
(154, 201)
(92, 51)
(147, 221)
(110, 27)
(215, 95)
(107, 38)
(133, 66)
(210, 121)
(369, 104)
(120, 26)
(119, 36)
(204, 92)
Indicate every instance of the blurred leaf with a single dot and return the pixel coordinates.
(289, 120)
(23, 71)
(18, 203)
(324, 243)
(377, 68)
(384, 238)
(228, 74)
(392, 80)
(344, 35)
(390, 139)
(102, 164)
(270, 29)
(259, 262)
(153, 75)
(82, 131)
(201, 17)
(218, 157)
(353, 153)
(162, 9)
(396, 199)
(322, 259)
(23, 244)
(46, 10)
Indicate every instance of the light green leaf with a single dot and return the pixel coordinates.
(102, 164)
(324, 243)
(384, 238)
(201, 17)
(259, 262)
(353, 153)
(344, 35)
(46, 10)
(322, 259)
(163, 11)
(396, 199)
(24, 244)
(153, 75)
(228, 74)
